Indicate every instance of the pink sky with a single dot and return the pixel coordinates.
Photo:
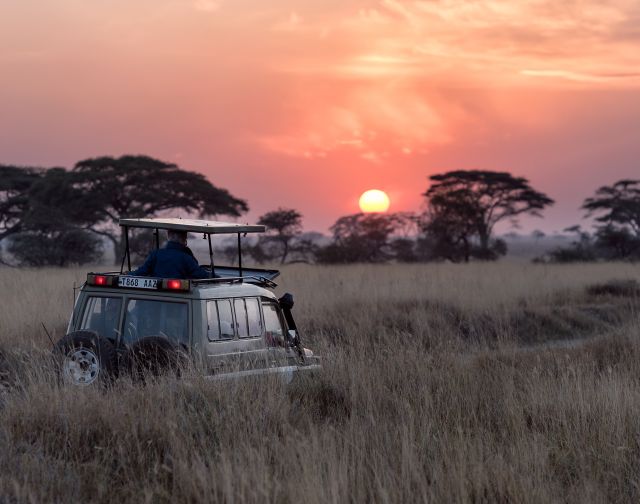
(307, 104)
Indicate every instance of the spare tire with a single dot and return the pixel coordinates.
(155, 355)
(84, 358)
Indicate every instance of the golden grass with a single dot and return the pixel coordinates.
(441, 383)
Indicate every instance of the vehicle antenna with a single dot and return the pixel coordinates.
(48, 335)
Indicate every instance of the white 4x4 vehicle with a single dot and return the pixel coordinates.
(230, 325)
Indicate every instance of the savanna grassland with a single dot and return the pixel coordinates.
(442, 383)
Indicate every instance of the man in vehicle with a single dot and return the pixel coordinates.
(174, 260)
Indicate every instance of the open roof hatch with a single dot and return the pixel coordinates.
(194, 226)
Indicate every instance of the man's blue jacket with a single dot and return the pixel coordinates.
(174, 260)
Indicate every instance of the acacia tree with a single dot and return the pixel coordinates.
(48, 223)
(363, 238)
(449, 225)
(15, 183)
(140, 186)
(465, 205)
(618, 211)
(283, 226)
(618, 205)
(54, 203)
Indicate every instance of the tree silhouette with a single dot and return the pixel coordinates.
(581, 249)
(15, 183)
(55, 203)
(363, 238)
(140, 186)
(283, 226)
(617, 208)
(615, 243)
(49, 227)
(61, 247)
(449, 225)
(619, 205)
(463, 206)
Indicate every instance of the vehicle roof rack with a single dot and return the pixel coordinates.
(189, 225)
(252, 279)
(193, 225)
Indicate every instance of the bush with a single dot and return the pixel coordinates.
(61, 248)
(575, 253)
(616, 288)
(617, 243)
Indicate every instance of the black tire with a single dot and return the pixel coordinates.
(84, 358)
(155, 355)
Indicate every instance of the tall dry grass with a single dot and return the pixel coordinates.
(441, 383)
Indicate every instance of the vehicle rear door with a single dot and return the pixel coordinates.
(164, 317)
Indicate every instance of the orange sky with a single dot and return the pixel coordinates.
(306, 104)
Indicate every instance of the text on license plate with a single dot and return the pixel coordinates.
(138, 282)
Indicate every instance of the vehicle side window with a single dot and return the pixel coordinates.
(253, 316)
(272, 320)
(156, 318)
(102, 314)
(248, 317)
(220, 320)
(241, 318)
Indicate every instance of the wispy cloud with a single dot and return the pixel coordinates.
(367, 120)
(206, 5)
(293, 22)
(582, 77)
(420, 47)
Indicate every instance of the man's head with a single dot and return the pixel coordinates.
(177, 236)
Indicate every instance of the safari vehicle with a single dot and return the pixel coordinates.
(227, 326)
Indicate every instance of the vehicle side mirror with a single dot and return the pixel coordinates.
(293, 336)
(286, 301)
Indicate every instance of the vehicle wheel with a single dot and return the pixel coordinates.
(155, 355)
(84, 358)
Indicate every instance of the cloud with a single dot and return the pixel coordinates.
(206, 5)
(370, 120)
(498, 36)
(293, 22)
(384, 69)
(581, 77)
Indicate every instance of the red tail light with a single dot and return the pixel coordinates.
(100, 280)
(174, 284)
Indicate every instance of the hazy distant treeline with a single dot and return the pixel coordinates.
(58, 217)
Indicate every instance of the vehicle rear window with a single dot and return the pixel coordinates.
(248, 317)
(102, 314)
(220, 320)
(145, 317)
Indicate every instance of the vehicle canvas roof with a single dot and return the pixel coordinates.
(193, 225)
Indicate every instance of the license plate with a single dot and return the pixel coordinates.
(138, 282)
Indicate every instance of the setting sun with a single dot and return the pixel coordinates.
(374, 200)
